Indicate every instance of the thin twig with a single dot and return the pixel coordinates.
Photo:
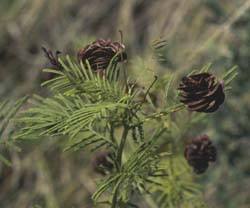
(122, 62)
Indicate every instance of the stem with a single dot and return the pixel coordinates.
(119, 161)
(149, 202)
(114, 200)
(166, 112)
(122, 63)
(149, 88)
(160, 114)
(145, 96)
(112, 137)
(122, 144)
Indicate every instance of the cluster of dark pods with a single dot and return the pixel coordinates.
(201, 93)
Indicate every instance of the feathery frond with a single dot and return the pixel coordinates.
(75, 79)
(8, 110)
(143, 165)
(69, 116)
(178, 188)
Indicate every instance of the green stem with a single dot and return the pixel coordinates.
(122, 144)
(160, 114)
(114, 200)
(119, 161)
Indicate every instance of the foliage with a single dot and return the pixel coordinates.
(8, 110)
(188, 26)
(89, 110)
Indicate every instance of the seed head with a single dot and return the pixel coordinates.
(201, 93)
(199, 153)
(100, 53)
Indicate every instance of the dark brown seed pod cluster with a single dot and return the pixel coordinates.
(201, 92)
(199, 153)
(100, 53)
(102, 162)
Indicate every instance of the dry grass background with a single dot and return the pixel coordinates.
(41, 174)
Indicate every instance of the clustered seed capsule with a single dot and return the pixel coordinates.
(100, 53)
(199, 153)
(201, 93)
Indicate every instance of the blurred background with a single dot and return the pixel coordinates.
(198, 32)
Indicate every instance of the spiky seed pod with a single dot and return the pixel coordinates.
(199, 153)
(100, 53)
(101, 162)
(201, 92)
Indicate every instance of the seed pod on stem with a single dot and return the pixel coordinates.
(201, 92)
(199, 153)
